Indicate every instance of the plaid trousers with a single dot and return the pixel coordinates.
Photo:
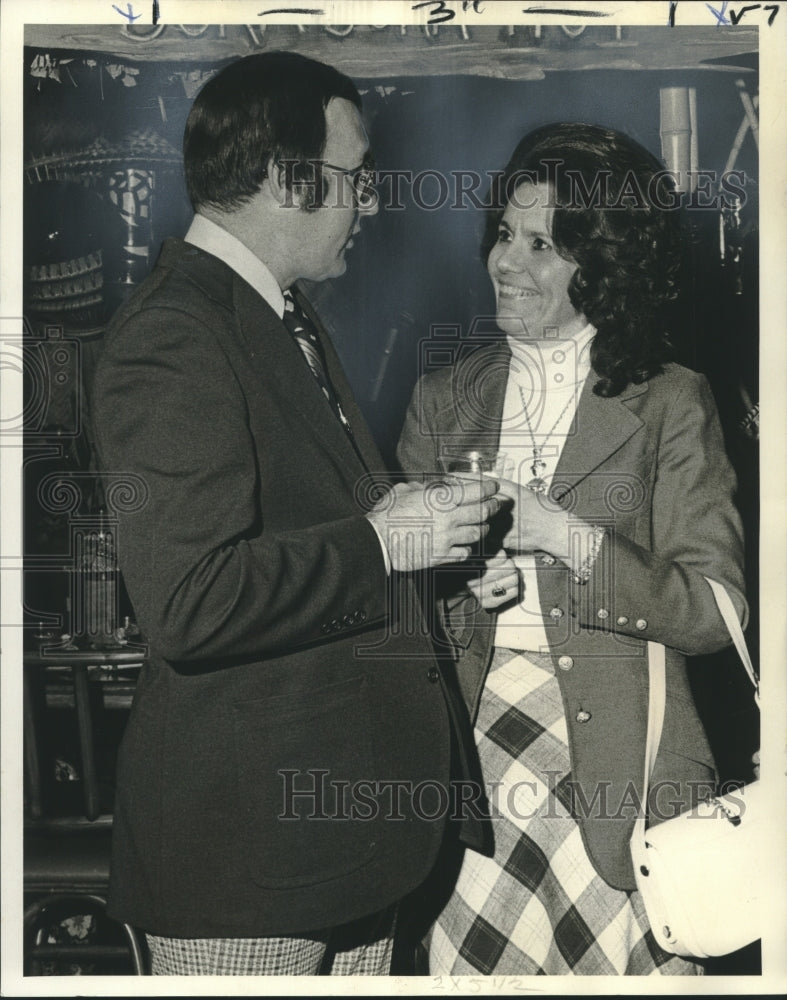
(361, 948)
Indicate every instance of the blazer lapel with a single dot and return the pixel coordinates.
(474, 411)
(472, 417)
(601, 426)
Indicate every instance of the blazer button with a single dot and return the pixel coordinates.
(433, 675)
(360, 616)
(565, 662)
(547, 559)
(325, 628)
(335, 624)
(583, 716)
(623, 620)
(641, 624)
(556, 613)
(603, 614)
(349, 620)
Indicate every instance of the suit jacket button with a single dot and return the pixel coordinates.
(335, 624)
(325, 628)
(583, 716)
(565, 662)
(556, 613)
(641, 624)
(433, 674)
(603, 614)
(623, 620)
(360, 616)
(547, 559)
(349, 619)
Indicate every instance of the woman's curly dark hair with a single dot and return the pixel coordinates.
(615, 216)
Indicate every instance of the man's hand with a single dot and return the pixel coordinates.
(423, 526)
(498, 584)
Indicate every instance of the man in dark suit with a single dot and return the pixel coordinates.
(281, 781)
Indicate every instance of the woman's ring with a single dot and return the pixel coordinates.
(498, 591)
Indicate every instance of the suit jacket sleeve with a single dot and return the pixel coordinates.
(417, 454)
(207, 575)
(658, 590)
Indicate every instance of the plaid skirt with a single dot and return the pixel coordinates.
(538, 906)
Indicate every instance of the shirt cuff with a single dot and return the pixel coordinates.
(384, 547)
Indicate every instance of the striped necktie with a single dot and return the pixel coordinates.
(305, 335)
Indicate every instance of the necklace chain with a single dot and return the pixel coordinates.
(537, 483)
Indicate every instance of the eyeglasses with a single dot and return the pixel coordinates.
(362, 178)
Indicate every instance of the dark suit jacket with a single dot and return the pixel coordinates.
(262, 590)
(650, 465)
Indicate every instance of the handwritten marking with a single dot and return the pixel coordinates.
(478, 984)
(560, 10)
(721, 16)
(735, 17)
(439, 13)
(129, 14)
(292, 10)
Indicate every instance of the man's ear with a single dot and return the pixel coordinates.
(276, 176)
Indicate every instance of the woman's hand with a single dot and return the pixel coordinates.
(538, 525)
(498, 584)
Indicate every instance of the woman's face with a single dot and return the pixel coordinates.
(529, 277)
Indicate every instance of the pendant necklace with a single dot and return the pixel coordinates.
(537, 483)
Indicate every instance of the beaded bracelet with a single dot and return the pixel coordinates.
(582, 575)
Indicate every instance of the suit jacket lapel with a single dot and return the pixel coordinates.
(278, 359)
(365, 445)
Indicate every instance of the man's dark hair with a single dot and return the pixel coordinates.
(616, 216)
(265, 105)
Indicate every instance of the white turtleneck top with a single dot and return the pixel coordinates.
(545, 381)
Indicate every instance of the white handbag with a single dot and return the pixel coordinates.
(700, 874)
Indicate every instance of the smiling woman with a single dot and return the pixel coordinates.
(621, 507)
(619, 254)
(528, 274)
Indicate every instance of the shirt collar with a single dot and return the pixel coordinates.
(211, 238)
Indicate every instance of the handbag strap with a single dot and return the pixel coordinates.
(657, 690)
(727, 612)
